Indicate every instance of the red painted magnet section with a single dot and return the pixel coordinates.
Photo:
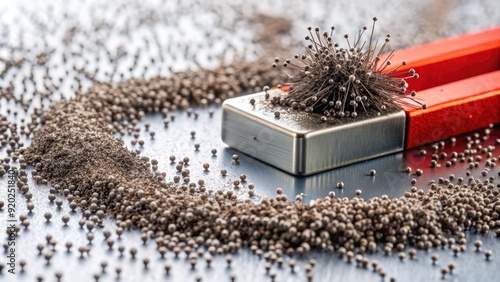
(454, 109)
(452, 59)
(459, 82)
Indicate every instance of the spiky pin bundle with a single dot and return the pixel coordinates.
(340, 82)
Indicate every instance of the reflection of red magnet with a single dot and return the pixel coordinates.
(460, 85)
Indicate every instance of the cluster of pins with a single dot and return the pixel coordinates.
(339, 82)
